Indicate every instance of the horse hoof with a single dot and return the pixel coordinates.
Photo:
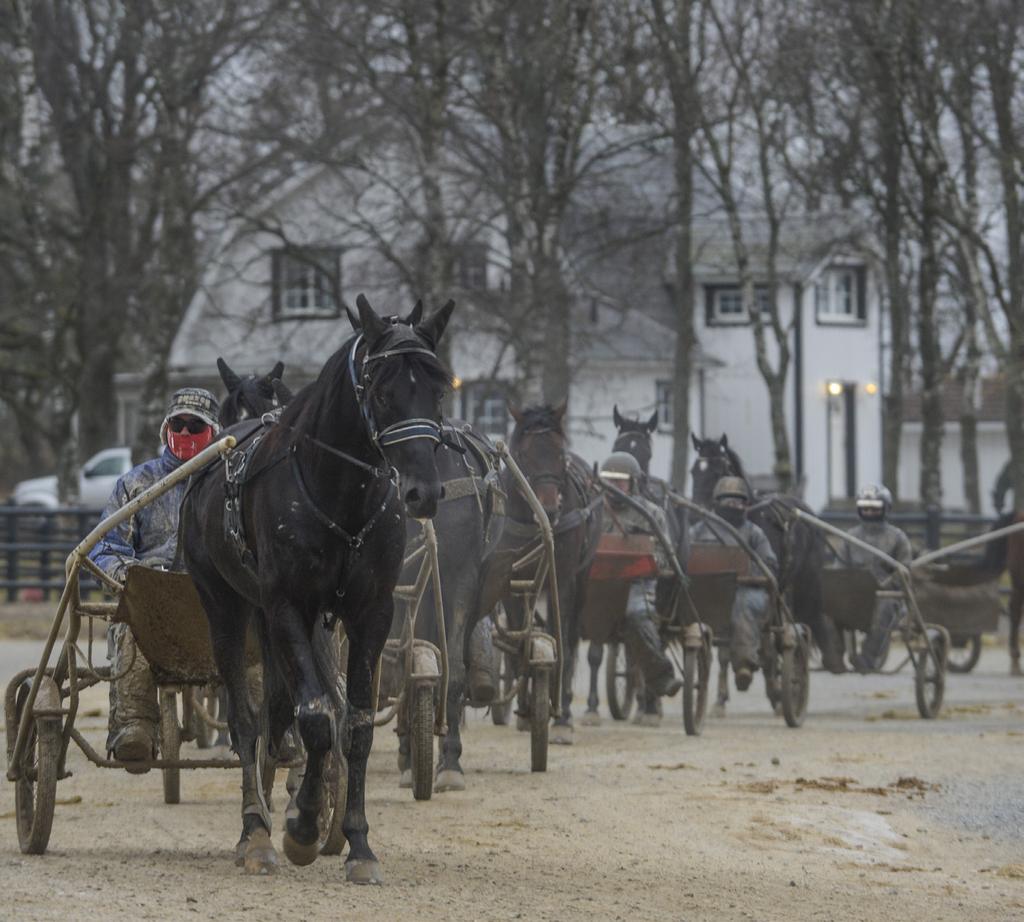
(405, 779)
(718, 710)
(523, 724)
(650, 720)
(590, 719)
(1015, 669)
(561, 735)
(363, 871)
(260, 857)
(449, 780)
(298, 854)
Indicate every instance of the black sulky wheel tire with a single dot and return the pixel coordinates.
(796, 683)
(332, 811)
(930, 674)
(696, 677)
(540, 719)
(506, 682)
(421, 741)
(962, 659)
(35, 793)
(620, 686)
(170, 745)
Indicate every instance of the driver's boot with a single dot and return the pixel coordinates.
(483, 672)
(134, 713)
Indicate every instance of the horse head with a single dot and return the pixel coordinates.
(252, 396)
(400, 386)
(539, 446)
(634, 436)
(714, 460)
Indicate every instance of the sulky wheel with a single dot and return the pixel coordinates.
(795, 681)
(170, 745)
(35, 792)
(619, 682)
(203, 733)
(332, 810)
(964, 654)
(930, 672)
(421, 741)
(540, 718)
(696, 676)
(506, 682)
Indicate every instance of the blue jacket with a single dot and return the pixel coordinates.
(151, 535)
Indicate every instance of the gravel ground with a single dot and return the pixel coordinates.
(867, 812)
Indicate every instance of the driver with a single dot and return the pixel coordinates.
(149, 538)
(640, 629)
(730, 500)
(874, 503)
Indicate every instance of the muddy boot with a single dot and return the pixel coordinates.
(483, 674)
(134, 713)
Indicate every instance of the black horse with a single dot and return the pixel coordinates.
(252, 396)
(635, 437)
(563, 483)
(799, 548)
(322, 518)
(468, 524)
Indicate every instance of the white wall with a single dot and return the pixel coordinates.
(993, 453)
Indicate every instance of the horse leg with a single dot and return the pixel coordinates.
(366, 641)
(1016, 606)
(595, 654)
(723, 682)
(254, 851)
(562, 731)
(289, 636)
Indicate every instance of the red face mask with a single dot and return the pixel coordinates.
(185, 445)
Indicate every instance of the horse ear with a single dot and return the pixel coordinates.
(434, 326)
(283, 392)
(353, 319)
(696, 441)
(277, 371)
(416, 314)
(231, 381)
(517, 414)
(652, 423)
(723, 442)
(618, 420)
(371, 325)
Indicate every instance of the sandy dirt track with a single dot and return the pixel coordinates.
(629, 823)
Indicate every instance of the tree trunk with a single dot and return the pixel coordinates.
(550, 290)
(929, 349)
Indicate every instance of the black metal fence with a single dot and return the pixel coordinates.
(35, 543)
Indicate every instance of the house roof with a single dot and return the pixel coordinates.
(805, 241)
(990, 401)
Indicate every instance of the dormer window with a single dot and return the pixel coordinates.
(724, 304)
(306, 282)
(839, 295)
(471, 266)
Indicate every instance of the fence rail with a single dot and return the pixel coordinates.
(35, 543)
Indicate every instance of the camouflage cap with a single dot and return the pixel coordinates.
(195, 401)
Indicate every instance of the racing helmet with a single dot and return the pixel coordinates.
(731, 488)
(622, 470)
(874, 502)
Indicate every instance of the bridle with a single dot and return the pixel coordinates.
(405, 430)
(630, 439)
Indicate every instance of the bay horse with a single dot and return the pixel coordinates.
(1007, 553)
(323, 515)
(799, 548)
(564, 485)
(468, 525)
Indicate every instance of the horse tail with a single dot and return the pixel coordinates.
(327, 665)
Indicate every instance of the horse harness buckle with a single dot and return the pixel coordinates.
(236, 473)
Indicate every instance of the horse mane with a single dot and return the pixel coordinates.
(540, 417)
(735, 463)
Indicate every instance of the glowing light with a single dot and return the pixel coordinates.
(835, 388)
(456, 382)
(871, 388)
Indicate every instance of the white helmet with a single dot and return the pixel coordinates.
(874, 502)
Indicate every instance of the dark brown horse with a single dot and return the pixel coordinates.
(1007, 553)
(322, 517)
(564, 486)
(798, 547)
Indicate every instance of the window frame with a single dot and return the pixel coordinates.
(474, 397)
(857, 315)
(471, 259)
(712, 299)
(665, 407)
(319, 262)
